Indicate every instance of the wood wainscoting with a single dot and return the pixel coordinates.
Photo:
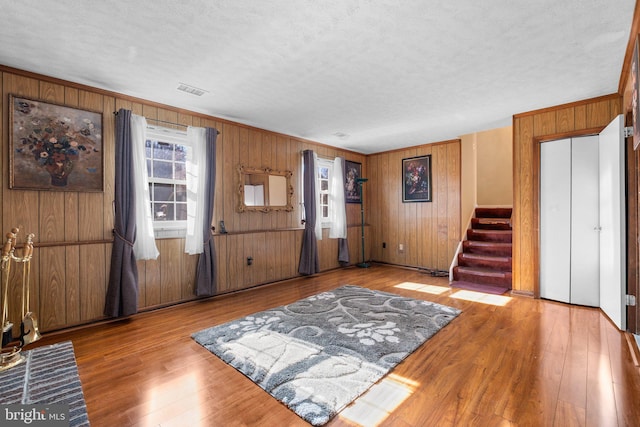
(503, 361)
(73, 230)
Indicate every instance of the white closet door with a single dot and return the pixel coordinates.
(613, 284)
(585, 235)
(555, 220)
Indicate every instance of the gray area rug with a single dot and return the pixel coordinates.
(320, 353)
(48, 375)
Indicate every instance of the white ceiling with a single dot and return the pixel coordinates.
(366, 75)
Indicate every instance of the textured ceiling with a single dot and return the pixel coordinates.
(363, 75)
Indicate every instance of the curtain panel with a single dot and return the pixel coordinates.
(338, 210)
(122, 290)
(206, 284)
(309, 260)
(144, 246)
(343, 243)
(196, 192)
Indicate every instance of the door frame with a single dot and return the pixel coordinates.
(632, 178)
(536, 193)
(632, 175)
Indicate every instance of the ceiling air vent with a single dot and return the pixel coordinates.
(191, 89)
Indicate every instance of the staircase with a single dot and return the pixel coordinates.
(485, 261)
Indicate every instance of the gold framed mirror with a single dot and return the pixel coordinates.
(264, 190)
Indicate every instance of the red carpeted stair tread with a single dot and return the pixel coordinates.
(477, 287)
(493, 212)
(503, 236)
(502, 263)
(487, 248)
(482, 275)
(491, 223)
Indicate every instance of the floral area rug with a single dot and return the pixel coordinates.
(320, 353)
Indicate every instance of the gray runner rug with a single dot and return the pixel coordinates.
(48, 375)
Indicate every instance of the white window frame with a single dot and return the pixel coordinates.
(328, 164)
(167, 229)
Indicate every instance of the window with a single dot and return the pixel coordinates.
(329, 187)
(324, 171)
(166, 152)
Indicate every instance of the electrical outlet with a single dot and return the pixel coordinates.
(384, 245)
(401, 247)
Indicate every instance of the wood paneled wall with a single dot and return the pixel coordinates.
(74, 230)
(68, 280)
(528, 130)
(70, 267)
(428, 231)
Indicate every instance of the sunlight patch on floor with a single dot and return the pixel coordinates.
(162, 403)
(421, 287)
(481, 297)
(373, 407)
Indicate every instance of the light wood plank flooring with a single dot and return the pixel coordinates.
(504, 361)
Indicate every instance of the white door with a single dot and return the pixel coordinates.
(569, 211)
(585, 207)
(555, 220)
(613, 284)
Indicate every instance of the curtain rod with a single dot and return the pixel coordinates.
(321, 156)
(169, 123)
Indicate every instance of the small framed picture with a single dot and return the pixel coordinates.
(352, 189)
(54, 147)
(416, 179)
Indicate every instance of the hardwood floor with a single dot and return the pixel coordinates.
(503, 361)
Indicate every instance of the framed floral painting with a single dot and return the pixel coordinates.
(352, 171)
(416, 179)
(54, 147)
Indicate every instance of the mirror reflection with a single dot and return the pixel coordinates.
(264, 190)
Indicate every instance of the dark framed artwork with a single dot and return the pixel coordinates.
(635, 80)
(352, 171)
(54, 147)
(416, 179)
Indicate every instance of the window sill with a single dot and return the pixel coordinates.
(170, 233)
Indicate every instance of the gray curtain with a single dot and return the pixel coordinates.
(122, 291)
(206, 272)
(343, 244)
(309, 261)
